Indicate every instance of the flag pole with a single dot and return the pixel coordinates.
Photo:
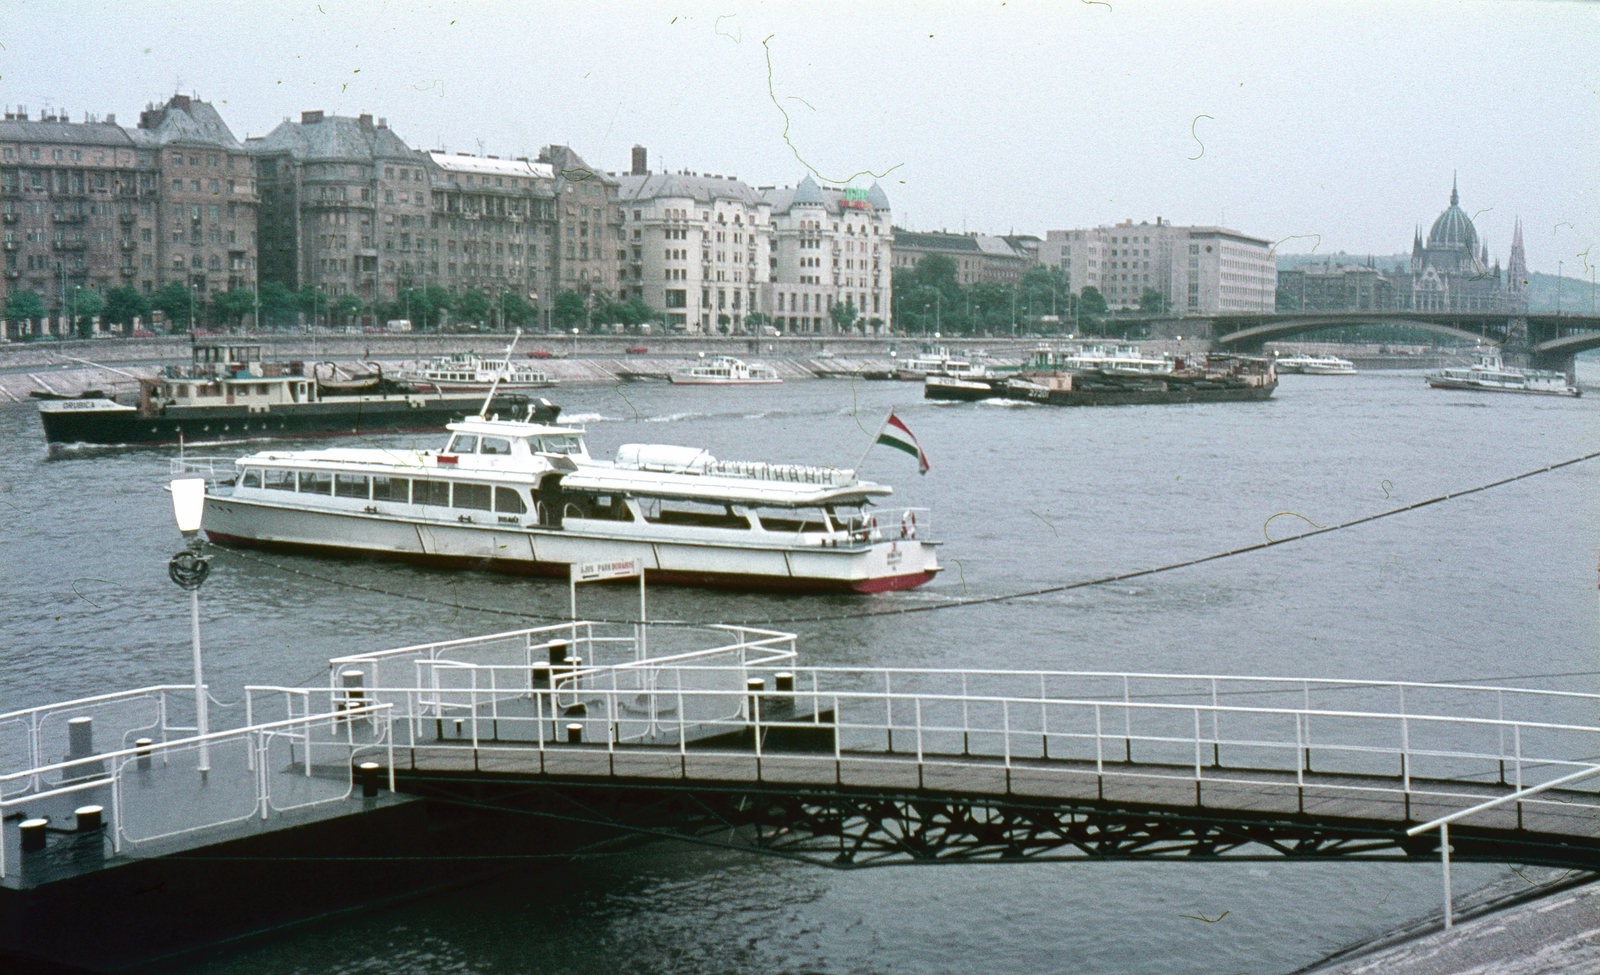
(871, 443)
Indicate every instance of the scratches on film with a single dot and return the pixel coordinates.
(772, 93)
(1196, 136)
(1274, 248)
(1046, 522)
(1202, 917)
(1386, 484)
(77, 592)
(1292, 514)
(961, 571)
(625, 399)
(716, 28)
(1097, 3)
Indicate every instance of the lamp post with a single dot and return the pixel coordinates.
(1558, 286)
(188, 569)
(574, 341)
(192, 288)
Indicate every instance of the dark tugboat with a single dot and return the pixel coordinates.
(228, 393)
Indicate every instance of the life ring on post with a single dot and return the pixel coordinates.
(908, 525)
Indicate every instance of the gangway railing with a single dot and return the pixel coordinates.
(153, 795)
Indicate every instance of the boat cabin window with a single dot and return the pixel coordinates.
(252, 477)
(494, 445)
(463, 443)
(508, 501)
(556, 444)
(316, 482)
(391, 489)
(275, 479)
(474, 496)
(795, 520)
(435, 493)
(351, 485)
(847, 517)
(672, 511)
(599, 507)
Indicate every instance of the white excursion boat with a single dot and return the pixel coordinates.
(939, 362)
(470, 372)
(1490, 374)
(527, 497)
(725, 370)
(1316, 365)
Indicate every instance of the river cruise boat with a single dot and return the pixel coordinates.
(527, 497)
(1212, 378)
(227, 392)
(1315, 365)
(938, 361)
(725, 370)
(470, 372)
(1490, 374)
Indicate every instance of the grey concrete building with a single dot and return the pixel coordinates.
(978, 257)
(829, 244)
(1196, 270)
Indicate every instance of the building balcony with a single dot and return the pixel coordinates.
(13, 273)
(71, 245)
(10, 217)
(11, 245)
(68, 218)
(126, 218)
(127, 272)
(129, 245)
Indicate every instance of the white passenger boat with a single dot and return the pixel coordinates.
(470, 372)
(1490, 374)
(725, 370)
(1316, 365)
(526, 497)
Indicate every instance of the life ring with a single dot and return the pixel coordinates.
(908, 525)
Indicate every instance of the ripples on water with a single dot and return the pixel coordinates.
(1496, 584)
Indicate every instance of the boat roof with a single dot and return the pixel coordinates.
(718, 488)
(493, 426)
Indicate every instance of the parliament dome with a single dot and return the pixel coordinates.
(1454, 230)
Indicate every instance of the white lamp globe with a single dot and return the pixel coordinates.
(188, 502)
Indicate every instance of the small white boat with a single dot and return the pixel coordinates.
(725, 370)
(1316, 365)
(470, 372)
(1489, 374)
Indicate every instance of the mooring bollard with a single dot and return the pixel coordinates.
(539, 676)
(369, 780)
(574, 734)
(80, 744)
(33, 835)
(754, 686)
(354, 696)
(143, 753)
(783, 683)
(89, 818)
(459, 723)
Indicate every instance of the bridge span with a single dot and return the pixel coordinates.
(1548, 340)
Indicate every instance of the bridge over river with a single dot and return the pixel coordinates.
(720, 734)
(1546, 341)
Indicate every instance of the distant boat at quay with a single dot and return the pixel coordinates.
(227, 392)
(1490, 374)
(1315, 365)
(470, 372)
(725, 370)
(1122, 376)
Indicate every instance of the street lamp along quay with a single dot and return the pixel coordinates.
(188, 569)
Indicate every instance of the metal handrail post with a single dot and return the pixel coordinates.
(888, 711)
(389, 732)
(1099, 745)
(1197, 747)
(918, 702)
(1299, 754)
(1444, 861)
(474, 673)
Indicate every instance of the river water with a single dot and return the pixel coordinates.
(1498, 584)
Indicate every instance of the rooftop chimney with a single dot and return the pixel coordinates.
(383, 123)
(365, 120)
(309, 118)
(111, 118)
(179, 101)
(639, 161)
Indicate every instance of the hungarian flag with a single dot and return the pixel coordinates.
(897, 435)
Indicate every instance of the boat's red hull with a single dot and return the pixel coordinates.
(709, 580)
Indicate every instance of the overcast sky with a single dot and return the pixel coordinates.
(1343, 120)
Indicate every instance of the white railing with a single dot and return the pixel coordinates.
(152, 793)
(215, 470)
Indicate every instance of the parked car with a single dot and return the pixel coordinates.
(541, 354)
(143, 333)
(637, 350)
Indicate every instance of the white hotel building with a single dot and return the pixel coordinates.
(1198, 270)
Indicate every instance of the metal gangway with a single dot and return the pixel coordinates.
(856, 766)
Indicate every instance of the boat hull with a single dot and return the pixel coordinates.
(400, 414)
(1468, 386)
(689, 381)
(1164, 393)
(882, 567)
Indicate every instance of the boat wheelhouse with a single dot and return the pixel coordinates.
(1489, 374)
(725, 370)
(527, 497)
(470, 372)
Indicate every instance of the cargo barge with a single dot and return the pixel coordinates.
(1060, 379)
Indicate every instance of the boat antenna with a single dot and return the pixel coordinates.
(497, 374)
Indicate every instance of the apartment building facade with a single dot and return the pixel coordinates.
(1197, 270)
(829, 245)
(97, 205)
(978, 257)
(698, 246)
